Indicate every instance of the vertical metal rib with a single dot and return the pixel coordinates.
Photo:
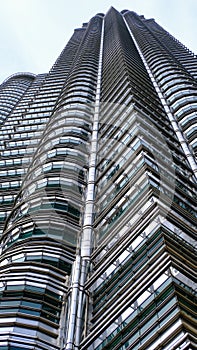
(85, 249)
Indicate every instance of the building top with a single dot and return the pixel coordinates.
(20, 75)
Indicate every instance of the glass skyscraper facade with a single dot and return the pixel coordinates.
(98, 193)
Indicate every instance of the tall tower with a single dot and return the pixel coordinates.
(98, 171)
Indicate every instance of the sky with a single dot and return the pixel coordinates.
(34, 32)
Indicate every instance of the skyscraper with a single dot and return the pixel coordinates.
(98, 179)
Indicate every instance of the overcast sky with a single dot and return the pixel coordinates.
(34, 32)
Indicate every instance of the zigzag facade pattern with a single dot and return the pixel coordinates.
(98, 244)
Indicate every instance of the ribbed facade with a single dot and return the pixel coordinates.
(98, 185)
